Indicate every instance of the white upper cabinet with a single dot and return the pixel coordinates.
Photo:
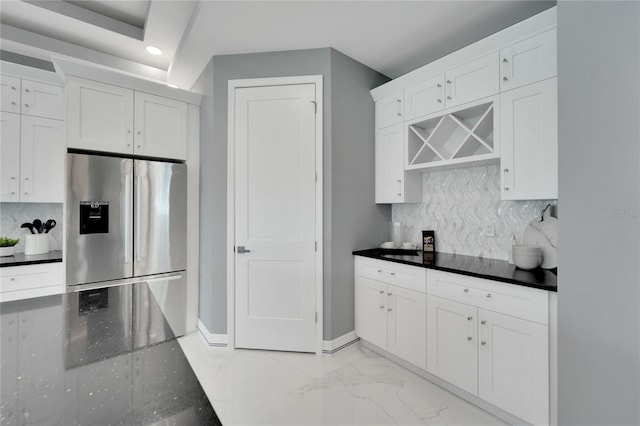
(108, 118)
(42, 100)
(100, 116)
(528, 61)
(32, 161)
(161, 127)
(9, 157)
(393, 184)
(42, 152)
(529, 129)
(424, 98)
(474, 80)
(389, 110)
(10, 93)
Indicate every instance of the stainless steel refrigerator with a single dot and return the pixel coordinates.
(127, 222)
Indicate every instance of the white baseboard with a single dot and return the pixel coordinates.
(212, 339)
(333, 346)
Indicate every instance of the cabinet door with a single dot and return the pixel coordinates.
(10, 157)
(371, 311)
(475, 80)
(452, 352)
(160, 127)
(42, 100)
(389, 165)
(389, 110)
(9, 93)
(42, 155)
(529, 132)
(100, 116)
(424, 98)
(407, 325)
(533, 59)
(9, 367)
(514, 366)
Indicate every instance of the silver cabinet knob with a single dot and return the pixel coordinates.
(448, 81)
(392, 274)
(399, 194)
(466, 290)
(399, 181)
(390, 309)
(389, 294)
(483, 322)
(449, 97)
(488, 295)
(439, 85)
(469, 338)
(439, 101)
(506, 170)
(506, 188)
(381, 306)
(13, 278)
(483, 343)
(13, 192)
(399, 100)
(26, 178)
(27, 105)
(13, 103)
(399, 114)
(27, 91)
(505, 79)
(505, 60)
(13, 87)
(469, 318)
(380, 270)
(13, 178)
(381, 291)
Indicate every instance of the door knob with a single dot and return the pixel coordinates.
(242, 250)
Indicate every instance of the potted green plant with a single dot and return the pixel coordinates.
(8, 246)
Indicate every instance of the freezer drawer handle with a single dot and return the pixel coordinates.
(242, 250)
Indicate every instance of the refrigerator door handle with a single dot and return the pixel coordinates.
(138, 214)
(127, 220)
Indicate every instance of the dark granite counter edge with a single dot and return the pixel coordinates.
(19, 259)
(374, 254)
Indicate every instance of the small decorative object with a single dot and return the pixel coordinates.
(429, 241)
(8, 246)
(36, 244)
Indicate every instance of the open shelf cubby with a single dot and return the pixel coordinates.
(464, 133)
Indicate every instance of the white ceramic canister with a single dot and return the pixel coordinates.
(36, 244)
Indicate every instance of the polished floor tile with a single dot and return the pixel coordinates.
(352, 387)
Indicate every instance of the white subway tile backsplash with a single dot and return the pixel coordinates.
(458, 203)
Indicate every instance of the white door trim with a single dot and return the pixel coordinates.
(231, 282)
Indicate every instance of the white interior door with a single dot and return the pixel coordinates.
(275, 217)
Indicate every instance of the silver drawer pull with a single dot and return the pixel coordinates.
(393, 273)
(390, 309)
(469, 338)
(379, 270)
(389, 294)
(469, 318)
(483, 343)
(466, 290)
(381, 291)
(381, 306)
(483, 322)
(488, 295)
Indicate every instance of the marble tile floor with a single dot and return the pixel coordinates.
(352, 387)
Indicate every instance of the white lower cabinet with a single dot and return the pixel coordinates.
(452, 352)
(487, 338)
(391, 316)
(26, 281)
(484, 337)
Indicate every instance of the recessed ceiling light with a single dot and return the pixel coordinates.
(154, 50)
(173, 86)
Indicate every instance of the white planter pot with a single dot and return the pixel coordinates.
(36, 244)
(7, 251)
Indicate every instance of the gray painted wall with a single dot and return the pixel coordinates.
(599, 193)
(356, 222)
(343, 137)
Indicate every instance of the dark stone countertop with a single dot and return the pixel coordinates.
(105, 356)
(20, 259)
(491, 269)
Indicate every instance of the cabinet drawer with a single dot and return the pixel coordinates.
(522, 302)
(16, 278)
(409, 277)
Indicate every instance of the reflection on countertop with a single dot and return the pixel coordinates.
(492, 269)
(20, 259)
(103, 356)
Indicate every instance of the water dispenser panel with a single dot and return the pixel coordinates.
(94, 217)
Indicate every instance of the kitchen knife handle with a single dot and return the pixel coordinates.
(127, 218)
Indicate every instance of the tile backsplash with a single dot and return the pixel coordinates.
(458, 203)
(12, 215)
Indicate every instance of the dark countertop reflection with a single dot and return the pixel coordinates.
(492, 269)
(98, 357)
(20, 259)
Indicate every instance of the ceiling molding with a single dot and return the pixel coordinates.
(90, 17)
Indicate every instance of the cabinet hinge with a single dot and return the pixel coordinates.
(315, 107)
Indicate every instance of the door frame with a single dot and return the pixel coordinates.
(231, 188)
